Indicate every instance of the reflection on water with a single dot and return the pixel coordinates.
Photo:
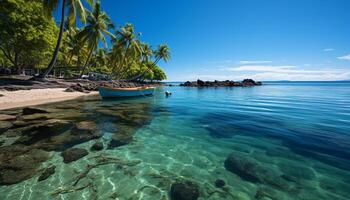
(278, 141)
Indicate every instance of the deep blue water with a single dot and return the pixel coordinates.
(291, 140)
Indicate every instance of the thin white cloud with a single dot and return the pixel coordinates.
(254, 62)
(280, 69)
(329, 49)
(346, 57)
(264, 68)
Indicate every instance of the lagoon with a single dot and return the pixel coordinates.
(282, 140)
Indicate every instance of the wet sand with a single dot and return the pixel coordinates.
(33, 97)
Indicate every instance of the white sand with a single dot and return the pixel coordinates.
(33, 97)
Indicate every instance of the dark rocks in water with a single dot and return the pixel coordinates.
(43, 131)
(98, 146)
(241, 167)
(253, 172)
(58, 135)
(120, 139)
(184, 191)
(250, 82)
(2, 142)
(47, 173)
(200, 82)
(4, 125)
(73, 154)
(219, 183)
(31, 110)
(19, 163)
(265, 193)
(216, 83)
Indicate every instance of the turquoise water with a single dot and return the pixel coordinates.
(297, 134)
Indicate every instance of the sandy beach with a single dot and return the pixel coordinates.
(33, 97)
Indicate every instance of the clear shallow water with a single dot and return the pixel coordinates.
(298, 134)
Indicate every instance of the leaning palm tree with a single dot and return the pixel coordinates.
(126, 47)
(162, 53)
(75, 7)
(98, 25)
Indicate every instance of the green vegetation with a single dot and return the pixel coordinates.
(30, 39)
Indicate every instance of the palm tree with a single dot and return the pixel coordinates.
(162, 53)
(75, 7)
(98, 25)
(126, 48)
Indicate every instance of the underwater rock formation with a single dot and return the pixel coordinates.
(251, 171)
(184, 191)
(98, 146)
(31, 110)
(19, 163)
(73, 154)
(120, 139)
(219, 183)
(47, 173)
(4, 125)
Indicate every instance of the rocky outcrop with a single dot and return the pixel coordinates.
(227, 83)
(47, 173)
(19, 163)
(184, 191)
(73, 154)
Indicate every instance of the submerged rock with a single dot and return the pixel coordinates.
(19, 163)
(253, 172)
(219, 183)
(47, 173)
(73, 154)
(31, 110)
(43, 131)
(120, 139)
(4, 125)
(184, 191)
(98, 146)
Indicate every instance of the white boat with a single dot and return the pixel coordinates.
(108, 92)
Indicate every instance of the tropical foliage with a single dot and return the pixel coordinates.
(31, 39)
(26, 37)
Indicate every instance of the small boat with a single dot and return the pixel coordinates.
(108, 92)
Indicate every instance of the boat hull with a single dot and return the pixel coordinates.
(118, 93)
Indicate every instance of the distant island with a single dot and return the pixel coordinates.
(216, 83)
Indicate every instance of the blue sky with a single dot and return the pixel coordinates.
(236, 39)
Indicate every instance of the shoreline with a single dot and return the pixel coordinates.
(33, 97)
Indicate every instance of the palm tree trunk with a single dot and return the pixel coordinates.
(87, 60)
(58, 44)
